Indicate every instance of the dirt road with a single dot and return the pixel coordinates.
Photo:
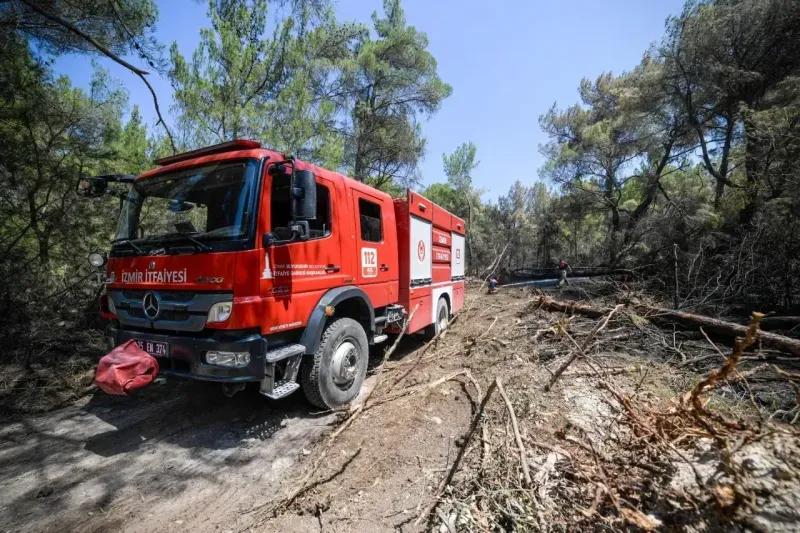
(177, 457)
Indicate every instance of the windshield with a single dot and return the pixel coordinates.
(197, 206)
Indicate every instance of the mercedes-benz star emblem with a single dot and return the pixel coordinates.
(150, 305)
(152, 265)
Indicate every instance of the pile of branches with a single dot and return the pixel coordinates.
(639, 461)
(647, 463)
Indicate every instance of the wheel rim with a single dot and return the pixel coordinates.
(344, 365)
(443, 319)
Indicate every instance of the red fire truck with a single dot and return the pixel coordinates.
(238, 264)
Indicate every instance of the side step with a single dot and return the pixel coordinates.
(282, 388)
(284, 352)
(377, 339)
(276, 389)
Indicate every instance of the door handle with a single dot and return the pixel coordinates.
(384, 268)
(332, 269)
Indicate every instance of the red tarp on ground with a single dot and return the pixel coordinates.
(126, 368)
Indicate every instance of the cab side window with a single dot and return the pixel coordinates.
(369, 214)
(281, 210)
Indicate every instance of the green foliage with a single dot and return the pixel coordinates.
(123, 27)
(392, 80)
(694, 149)
(223, 92)
(730, 67)
(326, 91)
(459, 165)
(446, 196)
(54, 133)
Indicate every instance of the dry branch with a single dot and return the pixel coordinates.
(580, 348)
(454, 467)
(306, 482)
(730, 364)
(415, 389)
(669, 316)
(388, 354)
(522, 456)
(61, 21)
(422, 352)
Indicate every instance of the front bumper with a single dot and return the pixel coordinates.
(186, 354)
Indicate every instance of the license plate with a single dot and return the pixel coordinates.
(154, 348)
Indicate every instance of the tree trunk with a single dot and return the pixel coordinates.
(676, 294)
(780, 322)
(751, 166)
(614, 245)
(660, 315)
(719, 190)
(468, 232)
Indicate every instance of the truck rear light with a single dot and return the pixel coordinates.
(220, 312)
(229, 359)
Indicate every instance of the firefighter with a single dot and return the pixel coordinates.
(492, 286)
(563, 266)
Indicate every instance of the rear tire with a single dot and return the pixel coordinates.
(442, 316)
(334, 376)
(442, 319)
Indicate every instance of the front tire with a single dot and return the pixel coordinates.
(334, 376)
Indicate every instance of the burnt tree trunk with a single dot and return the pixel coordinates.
(660, 315)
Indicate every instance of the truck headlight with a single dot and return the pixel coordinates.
(97, 259)
(220, 312)
(111, 308)
(230, 359)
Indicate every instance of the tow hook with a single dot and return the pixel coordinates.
(229, 389)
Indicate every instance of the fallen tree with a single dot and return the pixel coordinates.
(780, 322)
(660, 315)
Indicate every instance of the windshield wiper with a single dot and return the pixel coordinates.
(129, 242)
(199, 245)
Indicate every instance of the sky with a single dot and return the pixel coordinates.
(508, 61)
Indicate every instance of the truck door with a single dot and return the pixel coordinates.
(295, 268)
(376, 254)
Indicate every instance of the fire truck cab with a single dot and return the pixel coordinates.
(238, 264)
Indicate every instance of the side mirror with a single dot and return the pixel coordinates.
(91, 187)
(304, 195)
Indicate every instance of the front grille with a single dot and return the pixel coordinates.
(172, 316)
(169, 296)
(176, 296)
(133, 295)
(180, 310)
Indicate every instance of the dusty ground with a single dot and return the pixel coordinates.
(172, 459)
(184, 458)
